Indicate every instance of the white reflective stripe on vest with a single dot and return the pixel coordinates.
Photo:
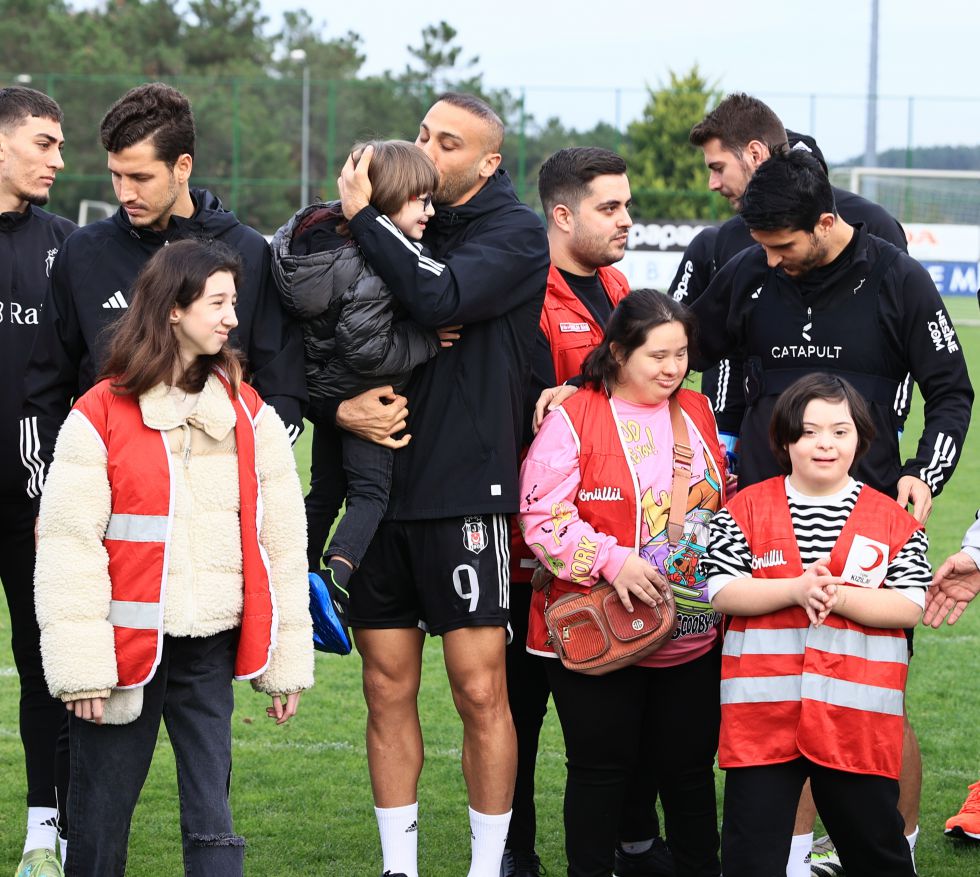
(137, 528)
(759, 641)
(139, 616)
(760, 689)
(840, 692)
(858, 645)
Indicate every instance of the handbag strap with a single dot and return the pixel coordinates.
(683, 458)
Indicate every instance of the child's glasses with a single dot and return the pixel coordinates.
(425, 199)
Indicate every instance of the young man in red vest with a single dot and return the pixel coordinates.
(586, 197)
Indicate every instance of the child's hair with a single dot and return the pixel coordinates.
(786, 425)
(399, 170)
(628, 327)
(143, 349)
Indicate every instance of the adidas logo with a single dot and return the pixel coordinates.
(116, 300)
(413, 827)
(51, 822)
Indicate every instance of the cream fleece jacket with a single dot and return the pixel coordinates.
(204, 576)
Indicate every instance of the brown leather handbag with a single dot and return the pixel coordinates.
(592, 632)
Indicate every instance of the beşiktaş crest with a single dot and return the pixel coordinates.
(474, 534)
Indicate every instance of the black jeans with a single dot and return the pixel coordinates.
(364, 469)
(191, 691)
(859, 811)
(611, 725)
(527, 691)
(43, 718)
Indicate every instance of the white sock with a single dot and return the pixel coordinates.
(489, 834)
(912, 838)
(399, 830)
(800, 848)
(63, 843)
(638, 847)
(42, 829)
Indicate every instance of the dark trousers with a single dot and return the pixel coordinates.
(859, 811)
(611, 723)
(364, 469)
(191, 691)
(328, 487)
(527, 691)
(43, 718)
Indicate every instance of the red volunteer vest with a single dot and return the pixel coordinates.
(609, 497)
(572, 333)
(137, 540)
(833, 693)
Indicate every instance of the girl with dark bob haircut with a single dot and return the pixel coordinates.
(786, 425)
(627, 330)
(599, 488)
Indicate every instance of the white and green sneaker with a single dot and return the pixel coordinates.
(39, 863)
(824, 861)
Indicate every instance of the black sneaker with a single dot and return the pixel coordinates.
(655, 862)
(517, 864)
(389, 874)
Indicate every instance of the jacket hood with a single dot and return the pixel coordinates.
(308, 281)
(209, 220)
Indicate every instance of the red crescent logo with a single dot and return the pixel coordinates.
(879, 556)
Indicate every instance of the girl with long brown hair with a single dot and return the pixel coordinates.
(169, 563)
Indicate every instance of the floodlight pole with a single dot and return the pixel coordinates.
(299, 55)
(871, 129)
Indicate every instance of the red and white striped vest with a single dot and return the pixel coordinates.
(137, 540)
(833, 693)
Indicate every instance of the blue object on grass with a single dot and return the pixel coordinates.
(329, 632)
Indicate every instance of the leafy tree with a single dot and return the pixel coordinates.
(667, 174)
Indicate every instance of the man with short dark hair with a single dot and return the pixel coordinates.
(736, 137)
(439, 560)
(149, 136)
(30, 158)
(586, 197)
(820, 294)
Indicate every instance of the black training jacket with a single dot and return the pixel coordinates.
(90, 286)
(874, 328)
(29, 241)
(488, 271)
(723, 386)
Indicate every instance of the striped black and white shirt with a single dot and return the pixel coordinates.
(817, 522)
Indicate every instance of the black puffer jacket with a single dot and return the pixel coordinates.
(356, 335)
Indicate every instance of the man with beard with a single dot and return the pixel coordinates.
(586, 199)
(820, 294)
(149, 135)
(736, 137)
(30, 157)
(439, 561)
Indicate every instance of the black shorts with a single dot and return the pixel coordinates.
(439, 575)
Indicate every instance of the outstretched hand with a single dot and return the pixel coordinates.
(954, 585)
(354, 184)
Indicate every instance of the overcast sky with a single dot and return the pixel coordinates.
(809, 61)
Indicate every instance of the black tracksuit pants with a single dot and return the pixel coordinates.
(42, 718)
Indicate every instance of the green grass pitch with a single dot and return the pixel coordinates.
(301, 793)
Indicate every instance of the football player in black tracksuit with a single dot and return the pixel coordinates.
(93, 274)
(713, 247)
(30, 157)
(821, 295)
(440, 558)
(870, 313)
